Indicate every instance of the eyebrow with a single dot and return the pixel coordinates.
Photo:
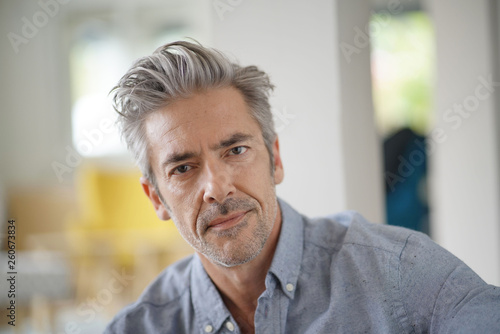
(233, 139)
(178, 157)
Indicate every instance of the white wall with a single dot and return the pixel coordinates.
(34, 114)
(330, 158)
(464, 166)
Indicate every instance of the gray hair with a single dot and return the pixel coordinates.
(178, 70)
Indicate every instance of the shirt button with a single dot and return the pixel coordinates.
(289, 287)
(208, 329)
(230, 326)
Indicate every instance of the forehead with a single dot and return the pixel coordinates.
(203, 118)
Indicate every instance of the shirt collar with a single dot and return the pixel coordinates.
(207, 302)
(288, 255)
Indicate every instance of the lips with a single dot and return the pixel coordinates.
(227, 221)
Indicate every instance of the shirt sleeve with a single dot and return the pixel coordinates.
(443, 295)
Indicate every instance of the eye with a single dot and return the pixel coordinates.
(181, 169)
(238, 150)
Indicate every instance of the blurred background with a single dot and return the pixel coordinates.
(387, 107)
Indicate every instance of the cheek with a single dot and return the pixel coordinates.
(183, 191)
(182, 203)
(255, 180)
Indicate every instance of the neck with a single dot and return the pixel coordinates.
(241, 286)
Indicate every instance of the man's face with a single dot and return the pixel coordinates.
(214, 174)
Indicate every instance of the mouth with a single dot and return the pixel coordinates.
(226, 222)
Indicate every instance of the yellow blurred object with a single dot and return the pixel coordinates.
(113, 199)
(116, 227)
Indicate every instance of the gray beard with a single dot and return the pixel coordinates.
(247, 249)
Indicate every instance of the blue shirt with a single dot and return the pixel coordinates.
(338, 274)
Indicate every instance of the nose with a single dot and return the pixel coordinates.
(217, 183)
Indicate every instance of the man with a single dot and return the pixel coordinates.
(202, 133)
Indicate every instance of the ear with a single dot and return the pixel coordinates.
(279, 173)
(150, 191)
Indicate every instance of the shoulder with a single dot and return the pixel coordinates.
(166, 298)
(172, 283)
(353, 242)
(350, 229)
(424, 285)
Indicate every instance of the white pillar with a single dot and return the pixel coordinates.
(360, 143)
(464, 162)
